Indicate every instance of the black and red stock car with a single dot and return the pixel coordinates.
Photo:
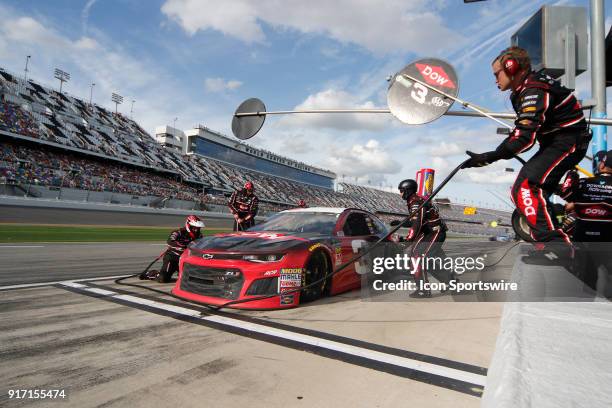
(289, 250)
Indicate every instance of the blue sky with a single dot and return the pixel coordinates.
(197, 60)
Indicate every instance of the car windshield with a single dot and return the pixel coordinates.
(296, 222)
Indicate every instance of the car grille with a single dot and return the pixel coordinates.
(217, 282)
(266, 286)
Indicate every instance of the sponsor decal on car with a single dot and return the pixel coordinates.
(269, 273)
(287, 299)
(338, 251)
(292, 270)
(530, 109)
(315, 246)
(290, 278)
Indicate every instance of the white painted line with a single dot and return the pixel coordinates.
(64, 282)
(22, 246)
(300, 338)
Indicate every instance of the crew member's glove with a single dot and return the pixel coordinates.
(481, 159)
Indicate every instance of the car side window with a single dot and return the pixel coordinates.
(356, 225)
(377, 227)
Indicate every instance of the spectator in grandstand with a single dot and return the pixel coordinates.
(550, 114)
(177, 243)
(302, 204)
(427, 235)
(243, 204)
(590, 199)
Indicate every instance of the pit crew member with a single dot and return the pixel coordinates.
(549, 114)
(177, 243)
(427, 234)
(243, 204)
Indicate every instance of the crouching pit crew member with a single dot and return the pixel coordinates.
(177, 243)
(243, 205)
(548, 113)
(427, 235)
(590, 200)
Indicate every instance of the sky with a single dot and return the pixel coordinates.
(197, 60)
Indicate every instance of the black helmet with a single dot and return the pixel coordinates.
(407, 188)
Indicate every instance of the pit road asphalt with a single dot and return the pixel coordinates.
(100, 344)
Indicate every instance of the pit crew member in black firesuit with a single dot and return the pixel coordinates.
(302, 204)
(549, 114)
(590, 199)
(427, 234)
(177, 243)
(243, 205)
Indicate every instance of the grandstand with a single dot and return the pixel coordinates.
(54, 145)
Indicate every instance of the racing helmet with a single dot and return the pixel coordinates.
(249, 187)
(407, 188)
(193, 224)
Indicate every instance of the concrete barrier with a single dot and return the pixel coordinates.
(551, 354)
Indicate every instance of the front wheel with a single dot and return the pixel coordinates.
(520, 226)
(315, 274)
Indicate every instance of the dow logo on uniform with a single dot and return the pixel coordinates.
(435, 75)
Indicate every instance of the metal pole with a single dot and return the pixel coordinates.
(500, 115)
(91, 92)
(25, 76)
(314, 111)
(462, 102)
(598, 76)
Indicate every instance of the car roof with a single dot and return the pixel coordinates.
(333, 210)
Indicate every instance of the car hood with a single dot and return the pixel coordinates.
(255, 242)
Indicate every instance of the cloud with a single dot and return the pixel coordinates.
(295, 144)
(445, 149)
(98, 60)
(217, 85)
(336, 99)
(493, 174)
(237, 21)
(85, 14)
(381, 27)
(360, 160)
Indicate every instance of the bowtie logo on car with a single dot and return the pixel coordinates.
(208, 256)
(435, 76)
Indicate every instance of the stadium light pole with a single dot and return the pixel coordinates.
(118, 99)
(174, 123)
(91, 87)
(132, 110)
(25, 76)
(63, 76)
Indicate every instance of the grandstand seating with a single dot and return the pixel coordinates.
(72, 144)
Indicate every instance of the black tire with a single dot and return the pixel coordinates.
(520, 226)
(316, 269)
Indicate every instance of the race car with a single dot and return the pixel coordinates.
(290, 250)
